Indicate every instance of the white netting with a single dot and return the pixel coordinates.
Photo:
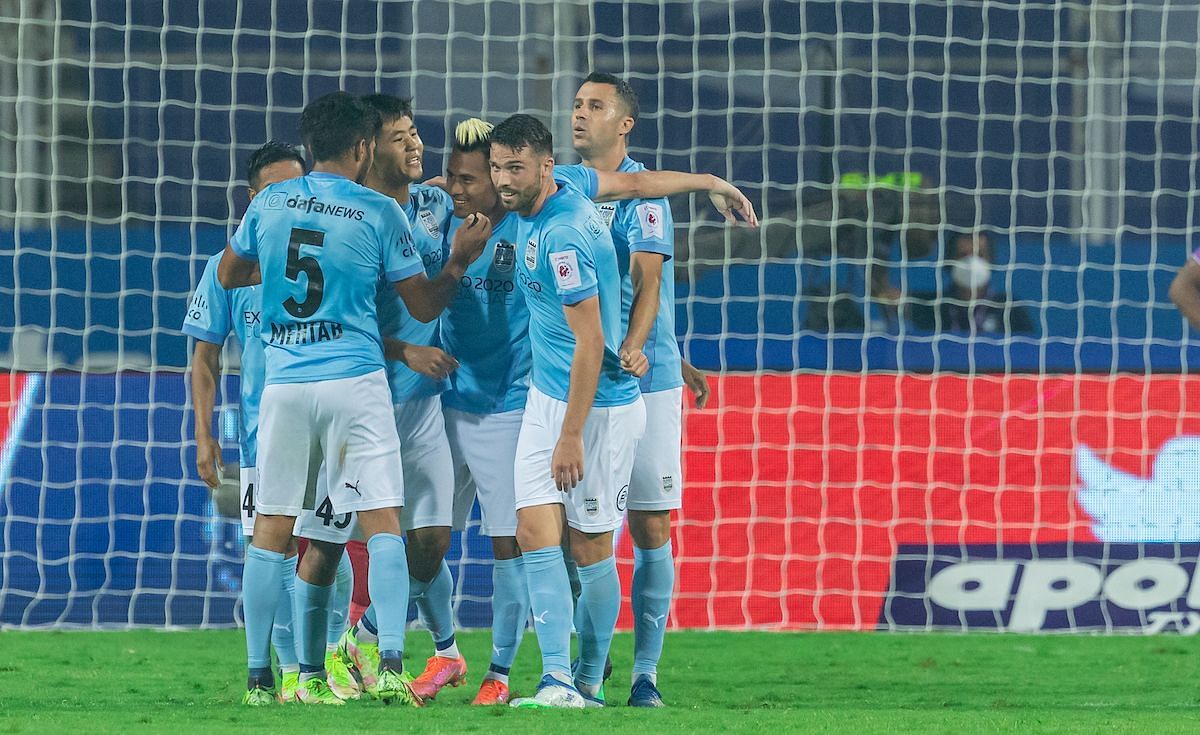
(870, 431)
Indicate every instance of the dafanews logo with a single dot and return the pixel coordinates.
(279, 200)
(1147, 588)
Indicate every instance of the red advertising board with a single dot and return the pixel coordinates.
(800, 488)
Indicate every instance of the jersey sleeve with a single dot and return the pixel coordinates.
(569, 254)
(579, 176)
(648, 228)
(208, 316)
(245, 239)
(400, 257)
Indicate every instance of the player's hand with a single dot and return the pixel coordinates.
(697, 383)
(728, 199)
(208, 461)
(566, 466)
(471, 237)
(430, 361)
(634, 361)
(438, 181)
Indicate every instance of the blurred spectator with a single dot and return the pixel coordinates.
(969, 303)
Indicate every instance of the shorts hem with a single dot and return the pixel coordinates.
(534, 502)
(292, 511)
(426, 523)
(503, 532)
(651, 506)
(594, 527)
(372, 504)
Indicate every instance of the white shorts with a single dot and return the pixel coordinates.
(425, 457)
(484, 450)
(249, 476)
(610, 438)
(345, 425)
(320, 522)
(657, 479)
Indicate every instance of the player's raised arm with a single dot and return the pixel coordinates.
(426, 298)
(727, 198)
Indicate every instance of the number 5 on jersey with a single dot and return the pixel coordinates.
(310, 266)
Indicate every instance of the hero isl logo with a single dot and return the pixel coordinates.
(564, 270)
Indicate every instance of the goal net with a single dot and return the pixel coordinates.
(950, 390)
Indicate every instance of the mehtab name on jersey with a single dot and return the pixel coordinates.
(304, 333)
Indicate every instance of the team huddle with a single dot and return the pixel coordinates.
(505, 337)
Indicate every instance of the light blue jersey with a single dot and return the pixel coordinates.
(429, 209)
(486, 328)
(212, 314)
(565, 255)
(322, 243)
(640, 225)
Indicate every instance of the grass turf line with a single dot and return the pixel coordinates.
(150, 681)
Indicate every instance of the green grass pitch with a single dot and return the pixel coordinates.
(176, 682)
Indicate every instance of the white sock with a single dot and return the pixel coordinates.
(450, 651)
(361, 633)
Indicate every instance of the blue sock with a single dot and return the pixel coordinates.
(436, 611)
(550, 603)
(653, 581)
(312, 611)
(601, 600)
(339, 601)
(510, 610)
(282, 636)
(262, 585)
(387, 580)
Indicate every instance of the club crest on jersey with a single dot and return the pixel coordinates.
(650, 217)
(566, 269)
(505, 257)
(531, 254)
(430, 222)
(608, 211)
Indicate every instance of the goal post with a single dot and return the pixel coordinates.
(879, 453)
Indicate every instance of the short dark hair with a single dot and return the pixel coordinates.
(389, 107)
(273, 151)
(332, 125)
(523, 130)
(625, 92)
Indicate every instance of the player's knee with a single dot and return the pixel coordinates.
(429, 543)
(320, 562)
(505, 547)
(590, 548)
(650, 529)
